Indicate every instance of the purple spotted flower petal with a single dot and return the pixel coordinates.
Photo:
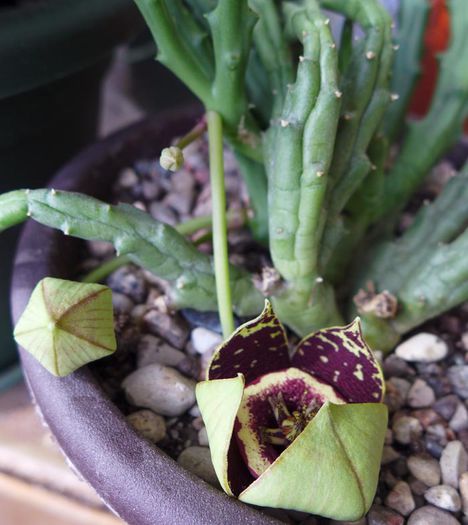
(340, 356)
(256, 348)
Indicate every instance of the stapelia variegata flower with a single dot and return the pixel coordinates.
(301, 431)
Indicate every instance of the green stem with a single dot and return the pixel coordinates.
(234, 217)
(195, 133)
(106, 268)
(220, 247)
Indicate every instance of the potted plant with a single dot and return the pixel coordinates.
(311, 131)
(54, 56)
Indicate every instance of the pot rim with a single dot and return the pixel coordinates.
(135, 479)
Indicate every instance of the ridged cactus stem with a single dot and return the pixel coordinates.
(298, 176)
(156, 246)
(358, 82)
(271, 45)
(428, 139)
(173, 50)
(412, 20)
(231, 24)
(426, 268)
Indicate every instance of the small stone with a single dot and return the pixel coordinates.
(203, 437)
(121, 303)
(420, 394)
(445, 497)
(417, 487)
(401, 499)
(161, 389)
(205, 341)
(382, 516)
(463, 487)
(426, 469)
(406, 429)
(458, 377)
(195, 411)
(198, 461)
(459, 420)
(430, 515)
(464, 341)
(396, 392)
(163, 213)
(394, 366)
(189, 367)
(434, 448)
(388, 436)
(209, 320)
(152, 349)
(453, 463)
(426, 416)
(422, 348)
(151, 189)
(127, 178)
(150, 425)
(172, 328)
(182, 193)
(389, 455)
(128, 281)
(446, 406)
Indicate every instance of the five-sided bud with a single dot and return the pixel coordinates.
(171, 158)
(67, 324)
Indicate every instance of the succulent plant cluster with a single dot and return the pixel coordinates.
(319, 129)
(312, 122)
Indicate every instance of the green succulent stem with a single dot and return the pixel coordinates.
(220, 242)
(412, 20)
(234, 218)
(153, 245)
(302, 141)
(425, 268)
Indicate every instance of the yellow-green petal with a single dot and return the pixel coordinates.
(332, 468)
(219, 402)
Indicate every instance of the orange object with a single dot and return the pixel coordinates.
(436, 40)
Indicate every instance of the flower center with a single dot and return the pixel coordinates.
(274, 411)
(290, 424)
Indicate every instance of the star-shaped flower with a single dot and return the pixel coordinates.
(301, 431)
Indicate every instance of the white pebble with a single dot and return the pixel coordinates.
(426, 469)
(445, 497)
(453, 462)
(464, 491)
(152, 349)
(423, 348)
(204, 340)
(459, 420)
(406, 429)
(161, 389)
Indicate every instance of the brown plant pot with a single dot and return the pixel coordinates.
(139, 482)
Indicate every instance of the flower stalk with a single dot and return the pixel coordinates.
(220, 242)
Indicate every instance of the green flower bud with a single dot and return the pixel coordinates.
(172, 158)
